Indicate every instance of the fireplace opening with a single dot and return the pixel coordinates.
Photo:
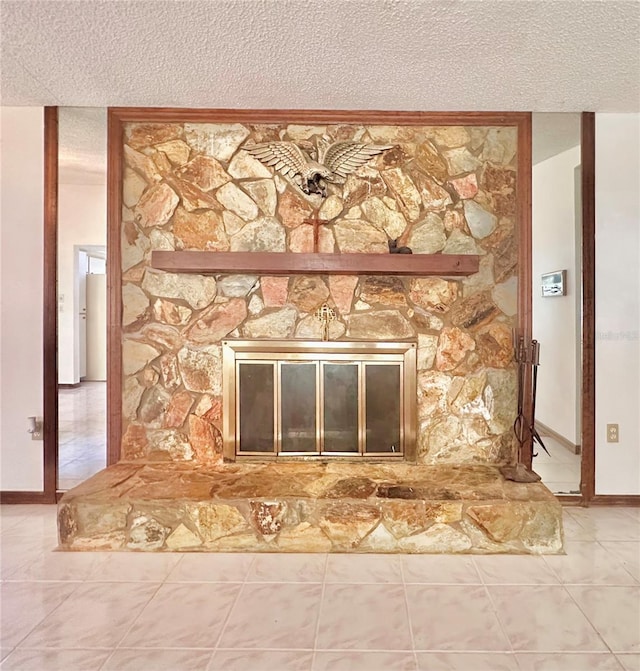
(302, 399)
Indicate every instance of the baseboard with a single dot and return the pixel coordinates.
(616, 500)
(543, 429)
(24, 497)
(630, 500)
(68, 386)
(569, 500)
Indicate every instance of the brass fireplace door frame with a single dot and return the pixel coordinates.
(403, 353)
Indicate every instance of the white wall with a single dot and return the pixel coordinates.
(21, 278)
(82, 221)
(555, 318)
(618, 301)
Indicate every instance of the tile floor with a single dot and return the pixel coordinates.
(313, 612)
(560, 469)
(82, 433)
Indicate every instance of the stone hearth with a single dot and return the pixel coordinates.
(309, 507)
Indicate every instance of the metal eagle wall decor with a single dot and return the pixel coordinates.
(334, 162)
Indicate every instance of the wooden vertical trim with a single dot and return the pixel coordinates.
(114, 289)
(525, 261)
(588, 410)
(50, 305)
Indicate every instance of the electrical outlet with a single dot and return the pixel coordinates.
(613, 433)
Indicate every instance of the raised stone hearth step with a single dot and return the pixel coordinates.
(309, 507)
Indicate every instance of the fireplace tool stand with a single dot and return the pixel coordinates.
(526, 355)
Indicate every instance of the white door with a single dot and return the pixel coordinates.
(83, 266)
(96, 327)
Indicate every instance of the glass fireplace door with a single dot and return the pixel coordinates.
(341, 408)
(299, 426)
(256, 409)
(318, 404)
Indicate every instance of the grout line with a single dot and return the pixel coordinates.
(225, 622)
(137, 617)
(586, 617)
(617, 658)
(322, 592)
(108, 657)
(409, 620)
(166, 580)
(501, 624)
(476, 568)
(550, 567)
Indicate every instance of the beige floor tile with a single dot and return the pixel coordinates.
(274, 616)
(144, 659)
(287, 568)
(567, 662)
(514, 570)
(363, 617)
(24, 605)
(459, 617)
(132, 567)
(471, 661)
(263, 660)
(608, 524)
(589, 563)
(182, 615)
(96, 615)
(628, 552)
(614, 611)
(55, 660)
(366, 568)
(350, 660)
(543, 618)
(72, 566)
(440, 569)
(211, 567)
(629, 661)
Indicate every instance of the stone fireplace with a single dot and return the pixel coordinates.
(238, 427)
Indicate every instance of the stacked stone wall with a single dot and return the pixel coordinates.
(448, 190)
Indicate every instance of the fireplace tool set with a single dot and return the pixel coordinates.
(527, 355)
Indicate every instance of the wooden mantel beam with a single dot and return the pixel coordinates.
(286, 263)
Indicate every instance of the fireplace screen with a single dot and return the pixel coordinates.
(318, 399)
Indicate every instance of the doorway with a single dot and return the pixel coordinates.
(82, 312)
(557, 298)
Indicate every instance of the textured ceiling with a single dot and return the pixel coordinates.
(538, 55)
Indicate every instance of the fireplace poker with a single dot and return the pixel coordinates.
(518, 425)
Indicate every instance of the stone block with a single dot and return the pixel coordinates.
(346, 524)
